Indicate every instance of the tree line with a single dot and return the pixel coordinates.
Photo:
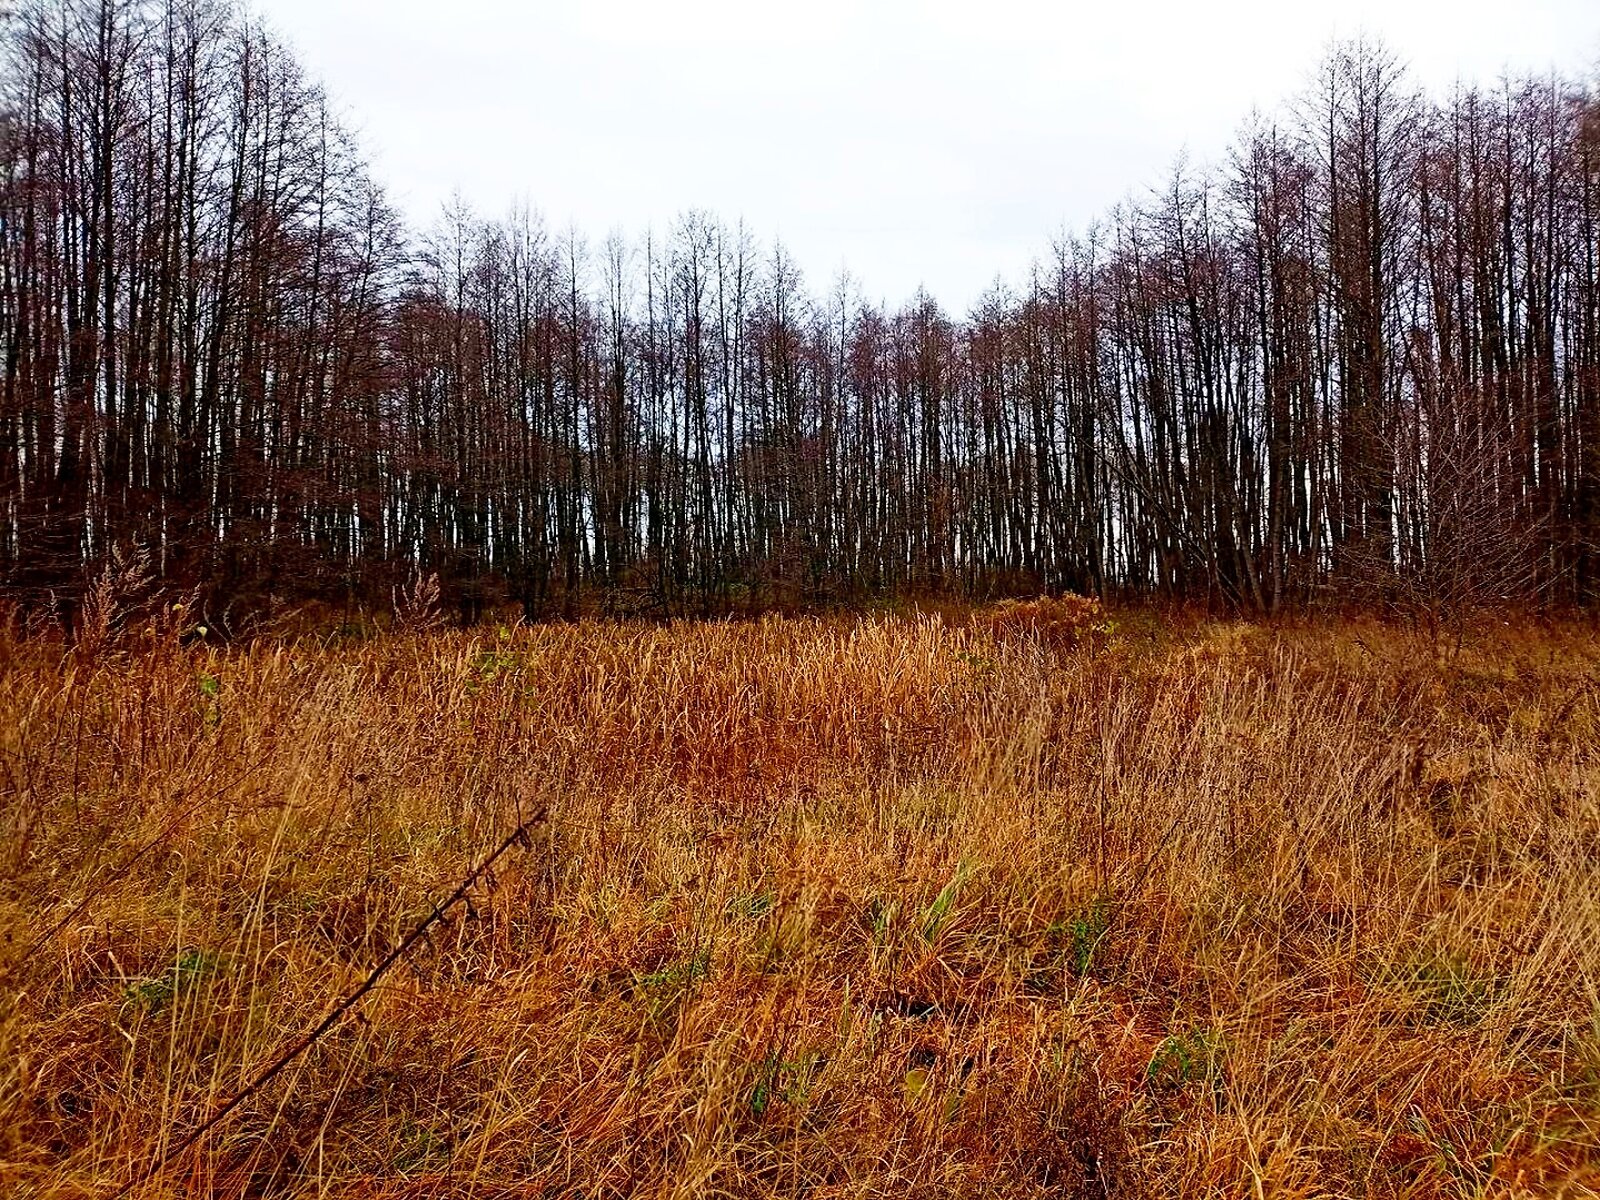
(1359, 356)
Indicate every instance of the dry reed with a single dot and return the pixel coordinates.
(890, 907)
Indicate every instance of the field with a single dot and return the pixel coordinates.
(903, 906)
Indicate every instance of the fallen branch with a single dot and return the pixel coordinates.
(518, 837)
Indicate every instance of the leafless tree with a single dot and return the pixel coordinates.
(1360, 358)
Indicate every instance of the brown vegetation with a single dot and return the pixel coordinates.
(1059, 622)
(895, 907)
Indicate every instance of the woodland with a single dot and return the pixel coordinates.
(1355, 361)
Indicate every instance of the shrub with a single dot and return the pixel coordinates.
(1059, 622)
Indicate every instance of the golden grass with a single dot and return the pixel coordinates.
(820, 908)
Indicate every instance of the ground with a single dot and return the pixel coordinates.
(1028, 902)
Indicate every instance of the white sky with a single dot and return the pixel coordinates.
(937, 144)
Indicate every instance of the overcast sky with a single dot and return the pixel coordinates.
(935, 144)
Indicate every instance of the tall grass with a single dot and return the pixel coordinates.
(891, 907)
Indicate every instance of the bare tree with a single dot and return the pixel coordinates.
(1361, 359)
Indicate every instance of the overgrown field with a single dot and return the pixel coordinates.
(900, 907)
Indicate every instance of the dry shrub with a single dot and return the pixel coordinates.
(124, 590)
(416, 606)
(127, 610)
(1060, 622)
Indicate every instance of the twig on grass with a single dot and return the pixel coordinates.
(518, 837)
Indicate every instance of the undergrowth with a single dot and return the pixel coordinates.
(898, 906)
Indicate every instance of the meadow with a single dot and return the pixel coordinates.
(1059, 903)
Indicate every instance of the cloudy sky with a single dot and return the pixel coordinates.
(934, 144)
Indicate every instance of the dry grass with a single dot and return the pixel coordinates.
(820, 908)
